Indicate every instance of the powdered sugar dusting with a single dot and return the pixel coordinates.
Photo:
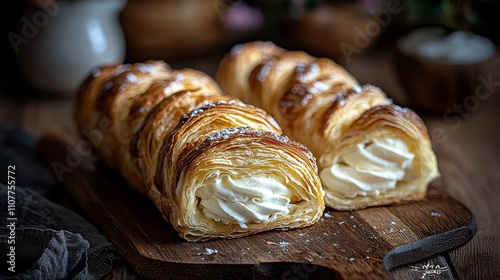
(208, 252)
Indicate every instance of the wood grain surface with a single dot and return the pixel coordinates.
(344, 245)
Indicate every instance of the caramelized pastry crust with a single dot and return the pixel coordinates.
(214, 166)
(370, 152)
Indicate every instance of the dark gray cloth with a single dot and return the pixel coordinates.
(51, 242)
(17, 147)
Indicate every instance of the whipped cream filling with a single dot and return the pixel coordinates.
(244, 200)
(369, 168)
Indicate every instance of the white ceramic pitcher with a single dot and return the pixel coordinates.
(61, 42)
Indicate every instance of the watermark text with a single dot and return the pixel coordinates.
(11, 217)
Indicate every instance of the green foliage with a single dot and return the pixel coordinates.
(449, 13)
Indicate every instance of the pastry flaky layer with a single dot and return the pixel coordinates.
(370, 151)
(214, 166)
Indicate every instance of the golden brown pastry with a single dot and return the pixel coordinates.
(213, 166)
(370, 151)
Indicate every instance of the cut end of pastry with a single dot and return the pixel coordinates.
(235, 186)
(385, 159)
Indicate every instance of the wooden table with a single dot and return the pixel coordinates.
(468, 152)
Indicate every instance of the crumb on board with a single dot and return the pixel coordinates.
(208, 252)
(435, 214)
(281, 243)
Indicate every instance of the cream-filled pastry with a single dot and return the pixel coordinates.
(367, 169)
(245, 200)
(370, 151)
(214, 166)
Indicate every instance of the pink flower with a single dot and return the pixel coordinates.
(242, 17)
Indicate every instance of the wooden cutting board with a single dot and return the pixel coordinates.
(347, 245)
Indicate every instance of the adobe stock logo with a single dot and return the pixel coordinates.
(363, 37)
(464, 110)
(31, 26)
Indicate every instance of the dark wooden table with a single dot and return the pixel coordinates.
(468, 152)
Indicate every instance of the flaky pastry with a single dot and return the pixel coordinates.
(370, 151)
(214, 166)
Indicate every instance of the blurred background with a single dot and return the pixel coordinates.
(425, 54)
(176, 30)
